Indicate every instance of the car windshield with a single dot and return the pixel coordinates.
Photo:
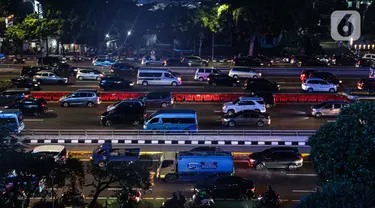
(236, 101)
(320, 105)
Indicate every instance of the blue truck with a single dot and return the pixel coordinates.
(105, 155)
(194, 166)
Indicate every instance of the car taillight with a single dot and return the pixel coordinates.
(208, 79)
(26, 96)
(359, 62)
(278, 196)
(302, 77)
(110, 68)
(43, 105)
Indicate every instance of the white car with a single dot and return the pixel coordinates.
(244, 73)
(89, 74)
(369, 56)
(58, 152)
(244, 103)
(318, 85)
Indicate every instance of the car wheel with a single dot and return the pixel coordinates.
(174, 83)
(232, 123)
(310, 90)
(65, 104)
(260, 123)
(98, 78)
(213, 84)
(292, 167)
(80, 78)
(164, 105)
(259, 166)
(332, 90)
(255, 77)
(235, 77)
(201, 79)
(108, 123)
(318, 114)
(242, 197)
(144, 83)
(90, 104)
(231, 112)
(268, 105)
(136, 123)
(101, 164)
(170, 178)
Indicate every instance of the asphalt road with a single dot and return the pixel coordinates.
(287, 85)
(283, 117)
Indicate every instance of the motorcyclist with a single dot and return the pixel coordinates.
(202, 199)
(270, 195)
(181, 200)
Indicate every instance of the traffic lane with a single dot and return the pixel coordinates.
(283, 117)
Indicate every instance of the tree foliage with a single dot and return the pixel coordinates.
(344, 150)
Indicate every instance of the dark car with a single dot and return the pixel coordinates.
(227, 187)
(310, 61)
(260, 85)
(276, 157)
(124, 113)
(345, 60)
(269, 100)
(108, 83)
(30, 71)
(158, 99)
(117, 67)
(248, 61)
(49, 60)
(367, 84)
(30, 106)
(364, 62)
(206, 149)
(25, 82)
(247, 117)
(328, 76)
(223, 80)
(15, 94)
(175, 62)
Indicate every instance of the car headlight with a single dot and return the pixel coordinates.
(260, 74)
(35, 85)
(226, 119)
(131, 84)
(340, 81)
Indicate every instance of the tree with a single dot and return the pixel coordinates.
(344, 150)
(340, 195)
(127, 176)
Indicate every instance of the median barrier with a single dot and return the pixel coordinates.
(206, 97)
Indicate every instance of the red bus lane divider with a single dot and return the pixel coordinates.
(206, 97)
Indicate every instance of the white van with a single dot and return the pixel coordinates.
(147, 77)
(58, 152)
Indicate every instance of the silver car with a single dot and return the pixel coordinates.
(194, 61)
(244, 73)
(89, 74)
(47, 77)
(202, 73)
(87, 97)
(329, 108)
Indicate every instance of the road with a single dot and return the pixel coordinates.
(283, 117)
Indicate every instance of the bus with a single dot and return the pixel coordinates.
(11, 120)
(172, 120)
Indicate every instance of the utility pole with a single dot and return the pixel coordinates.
(213, 46)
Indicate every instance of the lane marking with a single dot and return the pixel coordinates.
(33, 120)
(296, 200)
(159, 198)
(50, 110)
(114, 189)
(331, 121)
(302, 174)
(303, 191)
(217, 111)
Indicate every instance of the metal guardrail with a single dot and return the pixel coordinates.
(72, 132)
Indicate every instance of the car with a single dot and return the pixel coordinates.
(244, 103)
(147, 77)
(201, 74)
(122, 67)
(276, 158)
(364, 62)
(367, 84)
(328, 76)
(25, 82)
(47, 77)
(345, 60)
(124, 112)
(87, 97)
(102, 62)
(248, 61)
(328, 108)
(244, 73)
(12, 94)
(30, 71)
(89, 74)
(129, 103)
(194, 61)
(206, 149)
(49, 60)
(175, 62)
(260, 85)
(58, 152)
(246, 117)
(369, 56)
(29, 106)
(157, 99)
(152, 61)
(222, 80)
(310, 61)
(318, 85)
(227, 187)
(110, 82)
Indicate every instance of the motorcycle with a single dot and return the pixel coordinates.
(198, 201)
(19, 61)
(275, 202)
(132, 197)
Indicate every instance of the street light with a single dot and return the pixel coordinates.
(107, 35)
(129, 32)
